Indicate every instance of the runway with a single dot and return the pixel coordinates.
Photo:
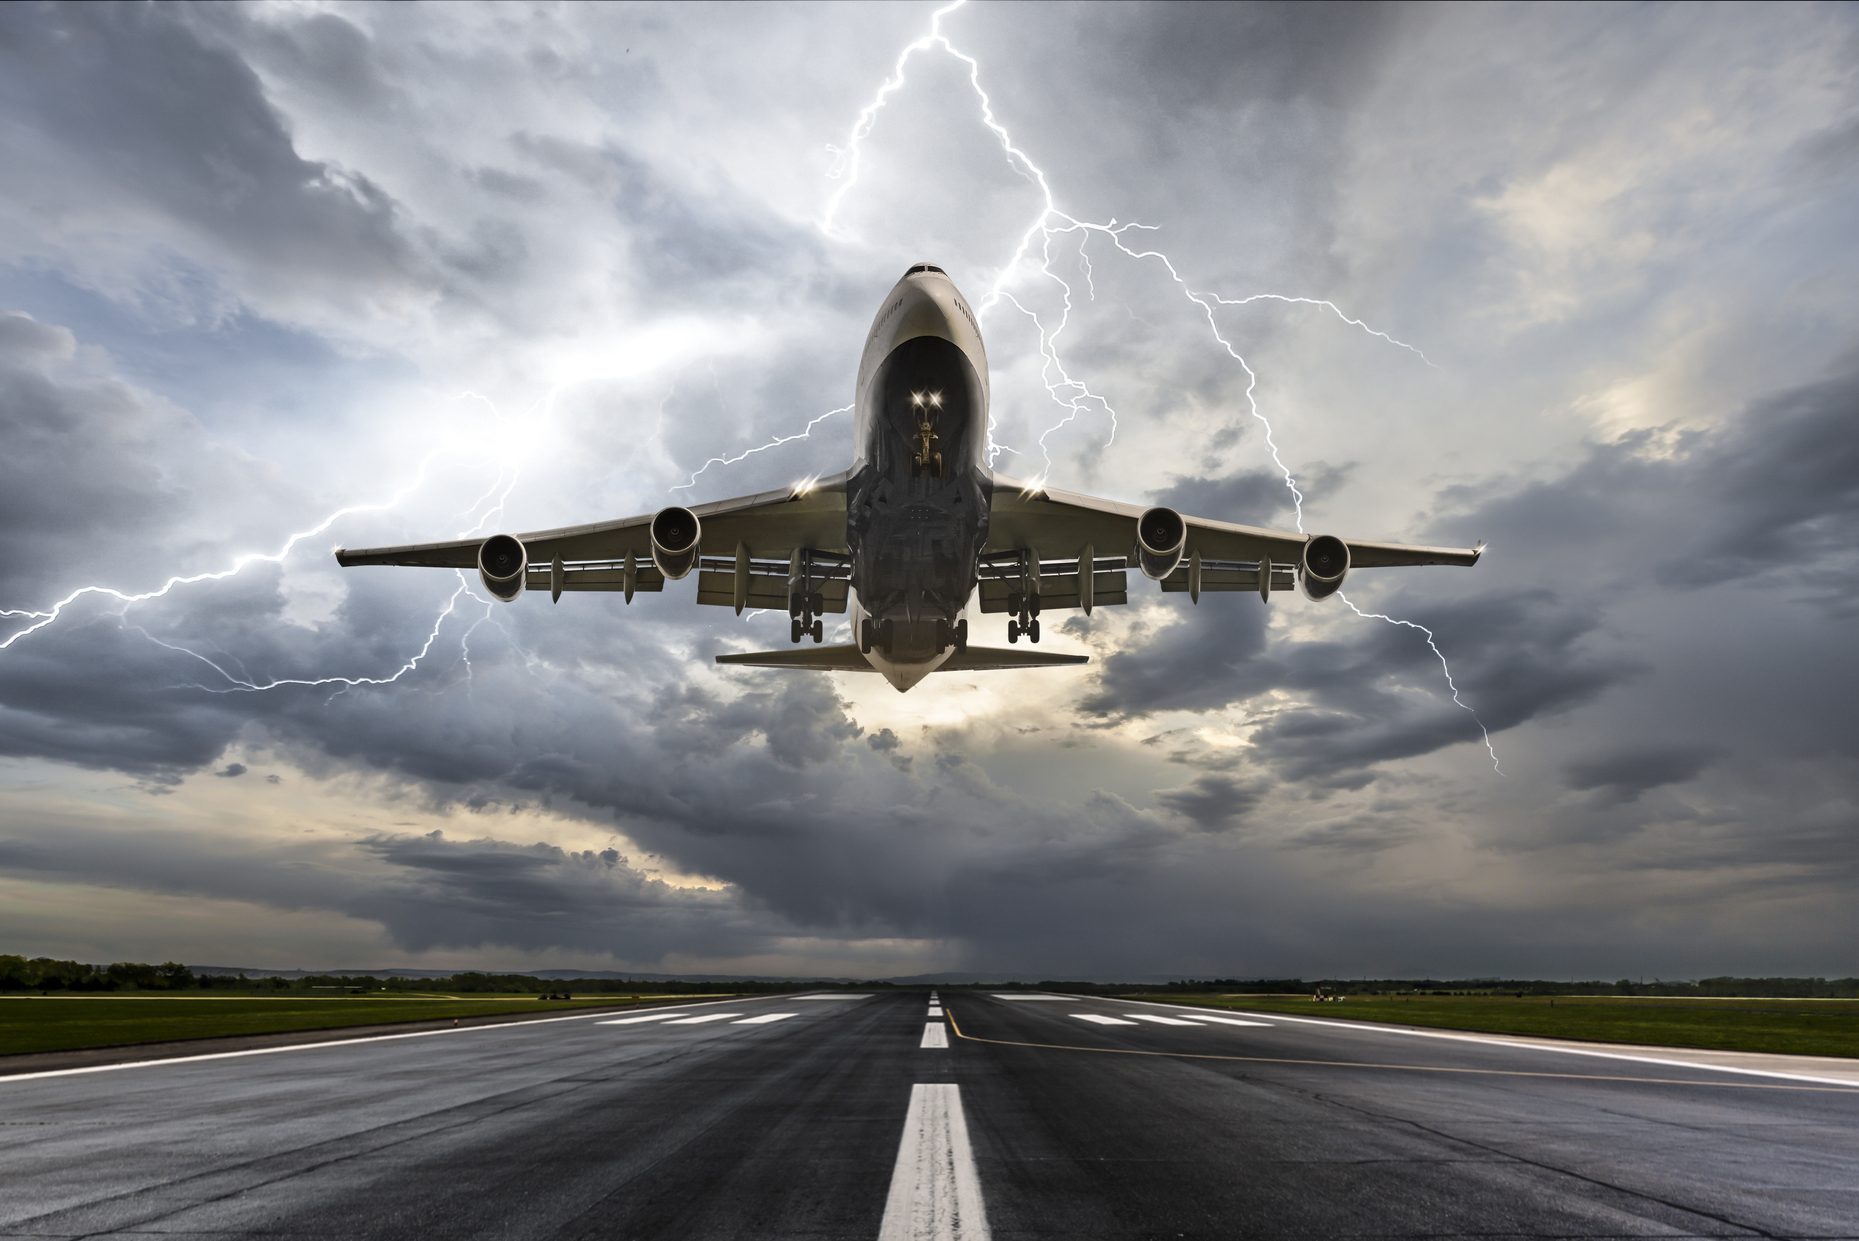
(885, 1116)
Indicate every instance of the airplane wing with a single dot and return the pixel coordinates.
(749, 541)
(1084, 547)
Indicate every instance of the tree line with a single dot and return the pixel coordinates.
(44, 974)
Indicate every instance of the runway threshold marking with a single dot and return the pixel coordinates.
(764, 1019)
(701, 1018)
(935, 1035)
(935, 1190)
(1403, 1068)
(333, 1042)
(1102, 1020)
(633, 1021)
(1518, 1041)
(1159, 1020)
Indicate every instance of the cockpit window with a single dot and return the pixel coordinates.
(926, 267)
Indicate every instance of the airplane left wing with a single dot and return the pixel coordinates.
(747, 549)
(1076, 550)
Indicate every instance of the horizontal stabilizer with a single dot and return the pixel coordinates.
(819, 658)
(847, 659)
(996, 658)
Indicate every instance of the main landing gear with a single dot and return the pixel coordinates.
(1024, 605)
(804, 603)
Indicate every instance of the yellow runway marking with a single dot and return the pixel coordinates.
(1402, 1068)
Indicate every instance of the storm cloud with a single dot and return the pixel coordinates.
(1525, 275)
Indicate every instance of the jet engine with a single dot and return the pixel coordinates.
(1161, 535)
(1323, 565)
(502, 564)
(675, 534)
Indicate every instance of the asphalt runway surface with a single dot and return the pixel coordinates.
(881, 1116)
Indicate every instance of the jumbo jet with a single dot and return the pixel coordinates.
(903, 539)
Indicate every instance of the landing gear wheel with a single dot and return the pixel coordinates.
(816, 603)
(936, 466)
(1032, 629)
(961, 634)
(864, 636)
(819, 630)
(887, 634)
(1013, 631)
(794, 630)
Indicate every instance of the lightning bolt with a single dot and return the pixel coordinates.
(489, 505)
(1444, 667)
(239, 564)
(731, 459)
(243, 685)
(1072, 395)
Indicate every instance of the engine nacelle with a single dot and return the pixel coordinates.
(503, 563)
(1161, 536)
(1322, 567)
(675, 535)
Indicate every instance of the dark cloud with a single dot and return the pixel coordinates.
(133, 120)
(1622, 774)
(1771, 496)
(1213, 802)
(231, 771)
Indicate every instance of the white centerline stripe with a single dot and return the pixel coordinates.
(764, 1019)
(1161, 1021)
(1103, 1021)
(1233, 1021)
(935, 1190)
(697, 1021)
(633, 1021)
(935, 1011)
(935, 1034)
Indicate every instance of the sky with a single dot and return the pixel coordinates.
(1575, 280)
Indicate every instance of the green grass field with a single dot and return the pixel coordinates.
(1794, 1027)
(65, 1023)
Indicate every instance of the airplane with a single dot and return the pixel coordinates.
(902, 540)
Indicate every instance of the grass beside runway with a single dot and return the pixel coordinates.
(70, 1023)
(1785, 1027)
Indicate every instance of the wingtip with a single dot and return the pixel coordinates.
(1478, 551)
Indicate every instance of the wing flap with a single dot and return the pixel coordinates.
(1058, 591)
(719, 588)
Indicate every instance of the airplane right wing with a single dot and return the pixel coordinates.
(744, 550)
